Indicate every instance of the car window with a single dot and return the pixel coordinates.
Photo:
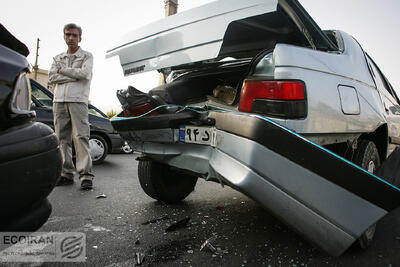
(94, 112)
(41, 97)
(335, 38)
(391, 89)
(380, 79)
(377, 78)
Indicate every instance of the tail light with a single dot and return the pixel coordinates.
(21, 99)
(282, 99)
(139, 110)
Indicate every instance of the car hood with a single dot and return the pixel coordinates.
(220, 29)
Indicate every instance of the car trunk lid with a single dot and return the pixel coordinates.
(220, 29)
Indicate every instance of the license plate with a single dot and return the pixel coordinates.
(196, 135)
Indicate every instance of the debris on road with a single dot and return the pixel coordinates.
(137, 242)
(220, 208)
(156, 220)
(101, 196)
(95, 228)
(207, 244)
(221, 252)
(139, 258)
(178, 225)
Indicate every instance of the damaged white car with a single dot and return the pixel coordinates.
(259, 98)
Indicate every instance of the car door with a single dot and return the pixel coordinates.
(390, 102)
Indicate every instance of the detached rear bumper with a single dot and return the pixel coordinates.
(325, 198)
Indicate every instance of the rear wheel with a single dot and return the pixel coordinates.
(367, 157)
(162, 183)
(98, 149)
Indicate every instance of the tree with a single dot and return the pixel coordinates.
(111, 113)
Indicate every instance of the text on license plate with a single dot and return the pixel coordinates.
(196, 135)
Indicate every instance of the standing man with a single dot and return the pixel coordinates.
(71, 73)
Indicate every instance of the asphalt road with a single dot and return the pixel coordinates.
(247, 235)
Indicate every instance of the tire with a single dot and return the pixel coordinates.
(162, 183)
(126, 149)
(98, 149)
(367, 157)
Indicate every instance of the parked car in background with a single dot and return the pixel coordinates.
(258, 97)
(103, 138)
(30, 159)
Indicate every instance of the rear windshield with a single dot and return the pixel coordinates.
(246, 37)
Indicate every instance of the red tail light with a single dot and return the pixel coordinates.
(139, 110)
(281, 99)
(274, 90)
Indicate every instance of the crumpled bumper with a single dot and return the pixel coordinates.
(328, 200)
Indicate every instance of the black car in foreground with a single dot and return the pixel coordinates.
(103, 138)
(30, 159)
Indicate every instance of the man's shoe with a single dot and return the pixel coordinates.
(64, 181)
(86, 184)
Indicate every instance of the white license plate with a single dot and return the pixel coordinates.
(197, 135)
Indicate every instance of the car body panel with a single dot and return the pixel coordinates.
(295, 179)
(151, 48)
(29, 220)
(26, 172)
(186, 38)
(349, 63)
(30, 159)
(349, 100)
(322, 73)
(117, 142)
(390, 102)
(11, 63)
